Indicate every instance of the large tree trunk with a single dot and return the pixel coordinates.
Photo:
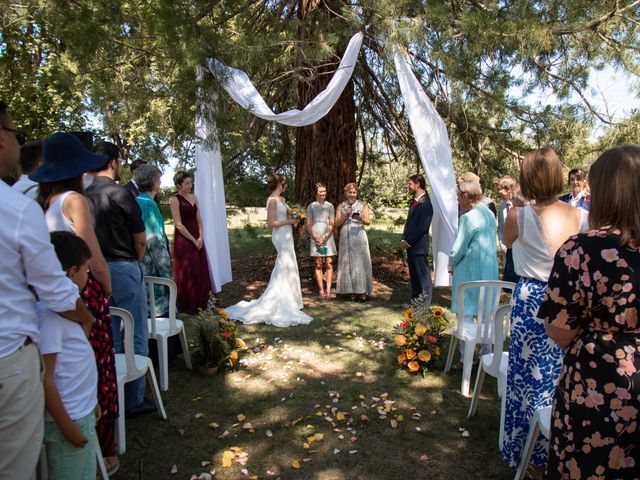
(326, 150)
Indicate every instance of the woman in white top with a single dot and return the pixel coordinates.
(534, 232)
(281, 302)
(61, 196)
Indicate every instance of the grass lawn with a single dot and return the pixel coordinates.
(301, 381)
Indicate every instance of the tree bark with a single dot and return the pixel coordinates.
(325, 151)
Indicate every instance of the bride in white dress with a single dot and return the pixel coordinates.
(281, 302)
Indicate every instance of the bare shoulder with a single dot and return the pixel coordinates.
(75, 200)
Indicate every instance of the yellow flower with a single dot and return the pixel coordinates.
(437, 351)
(240, 344)
(410, 353)
(421, 330)
(223, 314)
(424, 356)
(402, 358)
(413, 366)
(438, 311)
(408, 314)
(233, 356)
(401, 340)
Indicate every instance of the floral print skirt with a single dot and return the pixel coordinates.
(535, 362)
(101, 341)
(594, 427)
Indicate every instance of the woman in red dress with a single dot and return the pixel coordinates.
(190, 266)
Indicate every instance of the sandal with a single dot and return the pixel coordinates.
(112, 464)
(363, 297)
(322, 295)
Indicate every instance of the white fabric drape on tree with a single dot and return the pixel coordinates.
(209, 187)
(239, 86)
(434, 149)
(428, 129)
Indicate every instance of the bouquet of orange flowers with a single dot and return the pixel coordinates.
(297, 212)
(419, 336)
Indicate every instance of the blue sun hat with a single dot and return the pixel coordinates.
(65, 157)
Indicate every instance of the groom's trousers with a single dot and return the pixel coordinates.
(420, 276)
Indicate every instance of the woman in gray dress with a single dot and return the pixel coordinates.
(355, 276)
(320, 215)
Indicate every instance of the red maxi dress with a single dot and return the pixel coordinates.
(190, 265)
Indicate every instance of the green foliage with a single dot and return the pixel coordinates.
(128, 70)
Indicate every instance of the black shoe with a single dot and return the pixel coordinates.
(146, 406)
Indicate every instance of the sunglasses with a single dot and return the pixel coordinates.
(20, 135)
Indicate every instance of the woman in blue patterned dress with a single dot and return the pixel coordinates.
(157, 259)
(534, 232)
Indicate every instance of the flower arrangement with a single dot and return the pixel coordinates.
(297, 212)
(420, 335)
(217, 340)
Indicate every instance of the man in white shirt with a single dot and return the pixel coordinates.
(28, 264)
(30, 159)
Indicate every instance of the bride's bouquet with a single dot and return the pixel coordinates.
(297, 213)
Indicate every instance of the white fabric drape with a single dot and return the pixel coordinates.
(434, 149)
(238, 85)
(428, 129)
(209, 187)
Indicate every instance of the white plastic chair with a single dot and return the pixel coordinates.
(102, 468)
(480, 329)
(162, 328)
(540, 423)
(495, 364)
(130, 367)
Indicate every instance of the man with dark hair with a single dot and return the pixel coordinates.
(28, 264)
(415, 239)
(121, 234)
(30, 159)
(131, 184)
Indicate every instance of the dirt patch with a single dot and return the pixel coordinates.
(252, 275)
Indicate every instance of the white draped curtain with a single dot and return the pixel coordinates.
(428, 129)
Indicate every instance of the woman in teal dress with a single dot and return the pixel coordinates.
(157, 260)
(474, 252)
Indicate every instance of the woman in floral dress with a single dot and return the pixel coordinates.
(355, 274)
(591, 309)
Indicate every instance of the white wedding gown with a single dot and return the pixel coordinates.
(281, 302)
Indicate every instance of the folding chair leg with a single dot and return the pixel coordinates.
(534, 431)
(467, 367)
(151, 374)
(163, 362)
(476, 391)
(185, 348)
(452, 350)
(121, 433)
(102, 468)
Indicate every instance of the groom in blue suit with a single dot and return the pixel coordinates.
(415, 239)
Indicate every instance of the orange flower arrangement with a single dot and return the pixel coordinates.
(419, 336)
